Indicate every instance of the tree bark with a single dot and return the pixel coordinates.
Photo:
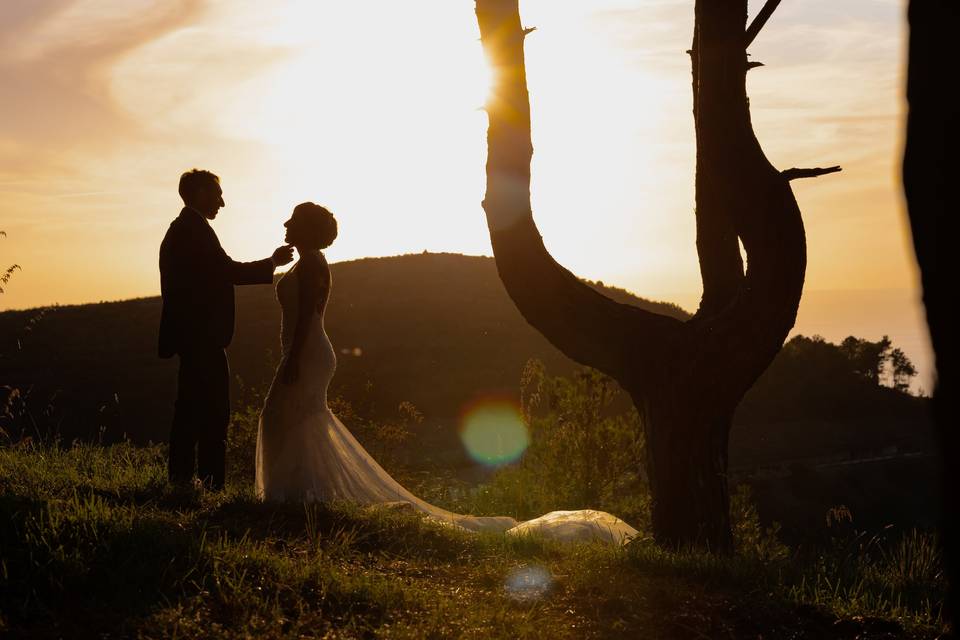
(685, 378)
(686, 464)
(928, 173)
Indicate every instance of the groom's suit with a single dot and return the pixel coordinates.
(196, 283)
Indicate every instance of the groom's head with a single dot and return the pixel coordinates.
(200, 190)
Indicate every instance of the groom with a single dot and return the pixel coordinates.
(196, 283)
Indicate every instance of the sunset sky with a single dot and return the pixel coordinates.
(371, 107)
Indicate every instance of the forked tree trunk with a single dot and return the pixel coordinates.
(685, 378)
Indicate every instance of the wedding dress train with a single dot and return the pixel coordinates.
(304, 452)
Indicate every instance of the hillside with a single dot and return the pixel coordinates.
(437, 330)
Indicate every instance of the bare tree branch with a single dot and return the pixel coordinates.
(759, 21)
(794, 174)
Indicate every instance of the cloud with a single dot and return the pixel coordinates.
(20, 18)
(656, 35)
(85, 26)
(103, 94)
(183, 81)
(55, 69)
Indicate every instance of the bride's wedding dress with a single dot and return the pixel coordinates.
(304, 452)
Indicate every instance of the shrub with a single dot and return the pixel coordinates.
(750, 537)
(586, 445)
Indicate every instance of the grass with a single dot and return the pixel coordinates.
(94, 543)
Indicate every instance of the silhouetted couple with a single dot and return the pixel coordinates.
(304, 452)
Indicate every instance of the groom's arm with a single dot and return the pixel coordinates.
(258, 272)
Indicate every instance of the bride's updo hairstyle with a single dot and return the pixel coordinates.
(319, 221)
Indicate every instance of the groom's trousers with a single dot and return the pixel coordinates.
(200, 417)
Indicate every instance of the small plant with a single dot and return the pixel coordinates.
(750, 537)
(913, 563)
(584, 452)
(838, 515)
(8, 273)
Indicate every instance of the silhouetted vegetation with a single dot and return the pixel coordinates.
(814, 381)
(8, 272)
(816, 431)
(585, 439)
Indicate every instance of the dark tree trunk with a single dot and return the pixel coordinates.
(685, 378)
(686, 466)
(928, 174)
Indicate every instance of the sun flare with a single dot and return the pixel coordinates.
(493, 432)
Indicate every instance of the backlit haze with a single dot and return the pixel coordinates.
(371, 107)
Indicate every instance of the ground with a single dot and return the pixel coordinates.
(94, 543)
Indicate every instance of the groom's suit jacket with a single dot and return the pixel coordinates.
(196, 283)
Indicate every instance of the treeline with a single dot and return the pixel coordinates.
(822, 399)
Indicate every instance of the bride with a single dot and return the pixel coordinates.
(304, 452)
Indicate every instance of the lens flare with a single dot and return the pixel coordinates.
(528, 583)
(493, 432)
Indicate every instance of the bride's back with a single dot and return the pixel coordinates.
(318, 359)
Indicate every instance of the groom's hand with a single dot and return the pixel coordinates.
(283, 255)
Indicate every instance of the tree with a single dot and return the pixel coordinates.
(928, 174)
(867, 358)
(684, 377)
(903, 370)
(874, 359)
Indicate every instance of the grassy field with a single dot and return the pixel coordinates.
(94, 543)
